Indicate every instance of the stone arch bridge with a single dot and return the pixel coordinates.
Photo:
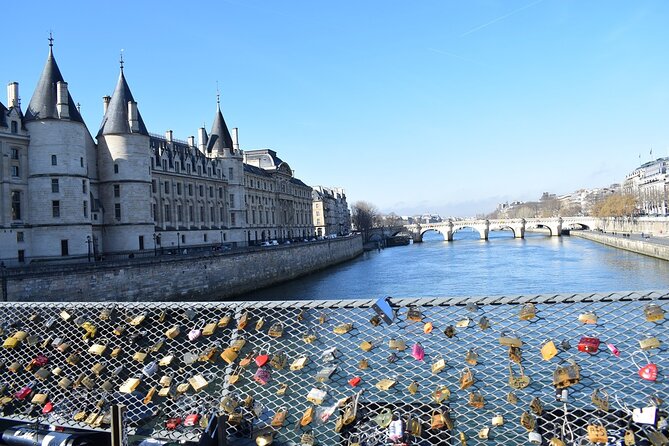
(517, 225)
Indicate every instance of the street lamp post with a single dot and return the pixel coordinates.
(178, 243)
(221, 234)
(88, 242)
(155, 245)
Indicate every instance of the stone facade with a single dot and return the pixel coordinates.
(331, 214)
(64, 194)
(649, 183)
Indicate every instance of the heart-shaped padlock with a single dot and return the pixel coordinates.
(261, 360)
(648, 371)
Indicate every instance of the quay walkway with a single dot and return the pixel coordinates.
(646, 244)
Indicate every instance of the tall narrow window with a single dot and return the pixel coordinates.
(83, 186)
(85, 209)
(15, 127)
(117, 211)
(232, 219)
(64, 249)
(54, 160)
(115, 168)
(54, 186)
(153, 186)
(81, 161)
(231, 173)
(117, 190)
(15, 153)
(16, 205)
(167, 213)
(55, 208)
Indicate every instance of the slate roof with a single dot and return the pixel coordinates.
(115, 120)
(43, 103)
(3, 115)
(219, 138)
(256, 170)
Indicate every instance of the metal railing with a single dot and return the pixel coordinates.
(465, 333)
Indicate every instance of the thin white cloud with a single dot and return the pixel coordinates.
(500, 18)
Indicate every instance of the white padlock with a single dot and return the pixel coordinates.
(534, 437)
(645, 415)
(497, 420)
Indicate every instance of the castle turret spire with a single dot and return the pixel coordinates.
(220, 141)
(122, 115)
(45, 101)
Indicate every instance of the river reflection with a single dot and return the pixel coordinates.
(469, 266)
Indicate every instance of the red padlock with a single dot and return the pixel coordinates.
(191, 419)
(173, 423)
(588, 345)
(354, 381)
(48, 407)
(648, 371)
(24, 392)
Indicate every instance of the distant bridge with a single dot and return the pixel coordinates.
(517, 225)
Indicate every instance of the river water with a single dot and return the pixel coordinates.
(469, 266)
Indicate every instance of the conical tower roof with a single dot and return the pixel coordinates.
(219, 139)
(115, 120)
(43, 103)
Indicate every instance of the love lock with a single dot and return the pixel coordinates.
(648, 371)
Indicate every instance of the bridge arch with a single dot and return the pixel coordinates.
(447, 237)
(505, 228)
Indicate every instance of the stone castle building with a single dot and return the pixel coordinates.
(62, 193)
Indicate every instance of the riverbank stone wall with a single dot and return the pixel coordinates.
(649, 248)
(213, 277)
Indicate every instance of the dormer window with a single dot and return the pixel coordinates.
(15, 127)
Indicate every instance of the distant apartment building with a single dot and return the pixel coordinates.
(648, 183)
(331, 215)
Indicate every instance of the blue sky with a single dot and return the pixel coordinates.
(426, 106)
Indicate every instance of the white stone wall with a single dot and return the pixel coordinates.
(67, 140)
(131, 153)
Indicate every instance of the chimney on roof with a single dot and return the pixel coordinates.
(235, 140)
(105, 104)
(133, 121)
(13, 94)
(62, 100)
(168, 135)
(191, 141)
(202, 138)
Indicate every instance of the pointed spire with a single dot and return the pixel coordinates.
(116, 119)
(43, 103)
(220, 141)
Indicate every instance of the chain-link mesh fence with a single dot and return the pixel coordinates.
(173, 399)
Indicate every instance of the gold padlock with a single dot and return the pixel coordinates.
(548, 350)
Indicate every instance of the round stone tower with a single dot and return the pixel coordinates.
(124, 165)
(59, 207)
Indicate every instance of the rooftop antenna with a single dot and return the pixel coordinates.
(121, 60)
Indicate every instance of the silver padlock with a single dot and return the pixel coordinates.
(534, 437)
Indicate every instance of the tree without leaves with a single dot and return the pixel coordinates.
(364, 216)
